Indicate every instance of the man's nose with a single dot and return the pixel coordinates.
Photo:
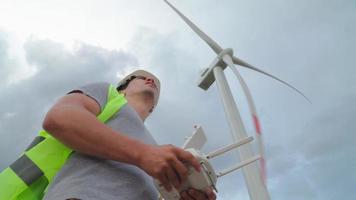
(150, 80)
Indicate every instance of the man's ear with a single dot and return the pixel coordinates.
(123, 92)
(151, 110)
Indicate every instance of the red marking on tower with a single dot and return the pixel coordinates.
(257, 124)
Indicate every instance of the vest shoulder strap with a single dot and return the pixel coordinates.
(115, 101)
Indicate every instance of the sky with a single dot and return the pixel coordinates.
(48, 48)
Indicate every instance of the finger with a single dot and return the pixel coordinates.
(186, 156)
(211, 194)
(181, 170)
(196, 194)
(173, 177)
(165, 182)
(186, 196)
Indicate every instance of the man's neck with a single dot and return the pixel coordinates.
(139, 103)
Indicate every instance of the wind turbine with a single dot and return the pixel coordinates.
(255, 179)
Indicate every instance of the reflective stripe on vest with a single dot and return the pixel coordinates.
(35, 141)
(28, 177)
(26, 169)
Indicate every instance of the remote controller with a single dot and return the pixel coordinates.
(198, 180)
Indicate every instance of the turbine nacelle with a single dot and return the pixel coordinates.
(207, 75)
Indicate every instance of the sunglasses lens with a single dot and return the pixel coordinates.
(141, 77)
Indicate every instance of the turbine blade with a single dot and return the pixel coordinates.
(201, 34)
(245, 64)
(229, 62)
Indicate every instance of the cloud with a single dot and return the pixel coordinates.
(58, 70)
(319, 158)
(7, 62)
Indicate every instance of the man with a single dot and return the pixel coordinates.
(116, 160)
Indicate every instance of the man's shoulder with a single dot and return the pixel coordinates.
(96, 90)
(101, 84)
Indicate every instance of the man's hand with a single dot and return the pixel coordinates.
(168, 164)
(193, 194)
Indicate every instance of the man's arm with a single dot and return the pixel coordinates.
(72, 120)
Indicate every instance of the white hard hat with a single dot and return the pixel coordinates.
(144, 73)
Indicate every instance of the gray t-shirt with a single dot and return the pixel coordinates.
(89, 178)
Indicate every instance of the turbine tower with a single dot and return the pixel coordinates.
(254, 178)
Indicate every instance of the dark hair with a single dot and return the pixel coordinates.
(124, 85)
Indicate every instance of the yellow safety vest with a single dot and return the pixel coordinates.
(28, 177)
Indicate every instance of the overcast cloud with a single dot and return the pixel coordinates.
(311, 44)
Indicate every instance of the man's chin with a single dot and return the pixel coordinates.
(149, 94)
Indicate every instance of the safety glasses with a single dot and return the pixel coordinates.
(143, 78)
